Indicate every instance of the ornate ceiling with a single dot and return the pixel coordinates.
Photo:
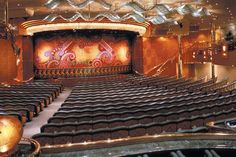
(18, 7)
(222, 11)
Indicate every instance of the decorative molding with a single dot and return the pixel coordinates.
(53, 4)
(35, 26)
(85, 3)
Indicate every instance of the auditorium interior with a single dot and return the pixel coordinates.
(117, 78)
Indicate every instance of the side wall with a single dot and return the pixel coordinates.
(8, 67)
(16, 68)
(27, 55)
(222, 72)
(160, 52)
(137, 55)
(202, 70)
(148, 53)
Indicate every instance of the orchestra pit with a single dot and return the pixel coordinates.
(121, 78)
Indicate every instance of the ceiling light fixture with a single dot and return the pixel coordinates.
(85, 25)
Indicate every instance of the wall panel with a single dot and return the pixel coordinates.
(160, 52)
(8, 68)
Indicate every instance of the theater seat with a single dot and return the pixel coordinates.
(44, 139)
(137, 130)
(62, 138)
(118, 133)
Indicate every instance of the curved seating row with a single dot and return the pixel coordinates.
(138, 103)
(78, 117)
(144, 119)
(136, 106)
(28, 99)
(130, 131)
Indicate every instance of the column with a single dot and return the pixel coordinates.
(213, 43)
(180, 57)
(6, 18)
(27, 58)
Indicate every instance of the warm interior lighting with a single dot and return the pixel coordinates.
(85, 143)
(122, 54)
(17, 62)
(155, 137)
(219, 34)
(10, 133)
(163, 39)
(85, 25)
(108, 140)
(224, 48)
(75, 52)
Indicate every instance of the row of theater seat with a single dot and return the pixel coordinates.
(27, 100)
(136, 106)
(103, 113)
(162, 104)
(125, 132)
(152, 116)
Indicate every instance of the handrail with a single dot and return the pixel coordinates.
(185, 51)
(206, 44)
(138, 73)
(202, 45)
(36, 145)
(159, 66)
(213, 126)
(136, 140)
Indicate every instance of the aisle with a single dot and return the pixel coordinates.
(34, 126)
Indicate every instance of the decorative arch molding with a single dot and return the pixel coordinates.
(36, 26)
